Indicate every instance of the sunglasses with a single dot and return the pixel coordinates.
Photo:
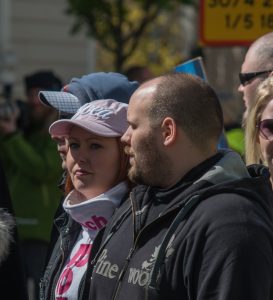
(266, 129)
(245, 78)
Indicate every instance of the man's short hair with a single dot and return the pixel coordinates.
(262, 52)
(192, 103)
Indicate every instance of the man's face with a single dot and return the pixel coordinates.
(248, 90)
(62, 148)
(149, 163)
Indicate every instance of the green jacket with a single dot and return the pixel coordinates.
(33, 169)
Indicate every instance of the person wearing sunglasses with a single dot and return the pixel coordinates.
(257, 66)
(259, 127)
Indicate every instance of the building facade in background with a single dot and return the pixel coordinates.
(35, 35)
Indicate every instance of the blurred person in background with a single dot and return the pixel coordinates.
(11, 267)
(257, 66)
(259, 127)
(139, 73)
(97, 183)
(32, 166)
(6, 227)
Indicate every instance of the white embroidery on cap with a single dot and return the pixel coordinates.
(98, 112)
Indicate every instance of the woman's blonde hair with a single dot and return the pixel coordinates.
(264, 95)
(123, 169)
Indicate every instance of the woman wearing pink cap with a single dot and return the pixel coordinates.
(96, 186)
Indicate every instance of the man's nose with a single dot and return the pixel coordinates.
(126, 137)
(241, 88)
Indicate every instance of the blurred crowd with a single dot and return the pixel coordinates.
(53, 239)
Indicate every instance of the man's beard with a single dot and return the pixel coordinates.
(151, 166)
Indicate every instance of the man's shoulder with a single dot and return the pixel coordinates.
(233, 206)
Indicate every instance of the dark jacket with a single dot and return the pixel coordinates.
(208, 237)
(12, 277)
(68, 234)
(58, 254)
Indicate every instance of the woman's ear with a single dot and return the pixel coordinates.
(169, 131)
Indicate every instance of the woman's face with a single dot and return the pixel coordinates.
(267, 145)
(92, 162)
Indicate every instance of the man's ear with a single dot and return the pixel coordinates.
(169, 131)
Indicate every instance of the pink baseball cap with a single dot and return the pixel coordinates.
(106, 117)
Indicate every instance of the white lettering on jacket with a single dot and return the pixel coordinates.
(105, 268)
(142, 276)
(137, 276)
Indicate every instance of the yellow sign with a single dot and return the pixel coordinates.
(234, 22)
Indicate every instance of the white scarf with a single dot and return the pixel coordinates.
(92, 214)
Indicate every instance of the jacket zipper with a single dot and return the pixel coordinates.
(131, 251)
(122, 273)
